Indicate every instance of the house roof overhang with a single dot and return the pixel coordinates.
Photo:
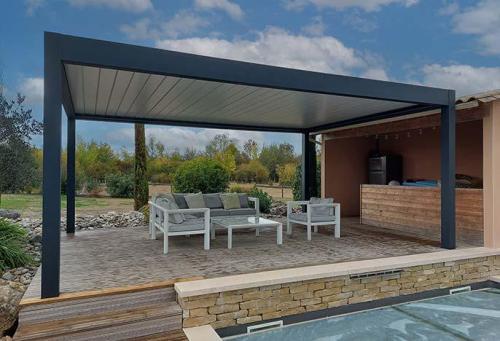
(110, 81)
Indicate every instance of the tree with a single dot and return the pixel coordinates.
(141, 187)
(155, 148)
(219, 144)
(275, 155)
(17, 164)
(251, 149)
(286, 174)
(94, 162)
(224, 150)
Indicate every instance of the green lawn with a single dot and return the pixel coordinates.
(31, 204)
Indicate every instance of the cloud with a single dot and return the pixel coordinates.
(366, 5)
(232, 9)
(275, 46)
(465, 79)
(32, 88)
(180, 24)
(33, 5)
(481, 20)
(316, 28)
(359, 23)
(180, 138)
(136, 6)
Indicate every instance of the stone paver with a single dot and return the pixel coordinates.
(121, 257)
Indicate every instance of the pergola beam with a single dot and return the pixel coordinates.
(92, 52)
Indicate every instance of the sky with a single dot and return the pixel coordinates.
(445, 43)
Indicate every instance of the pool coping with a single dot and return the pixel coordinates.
(265, 278)
(202, 333)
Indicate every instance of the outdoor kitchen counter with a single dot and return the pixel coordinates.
(418, 207)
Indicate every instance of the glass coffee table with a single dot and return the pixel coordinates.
(244, 222)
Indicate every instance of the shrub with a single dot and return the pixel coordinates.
(201, 175)
(13, 241)
(120, 186)
(265, 200)
(253, 171)
(238, 188)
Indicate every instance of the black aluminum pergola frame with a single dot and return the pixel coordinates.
(63, 49)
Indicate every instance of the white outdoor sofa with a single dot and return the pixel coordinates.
(311, 218)
(159, 219)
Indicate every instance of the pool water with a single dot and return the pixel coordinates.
(473, 315)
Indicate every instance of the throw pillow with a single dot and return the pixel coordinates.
(175, 218)
(230, 200)
(195, 200)
(321, 211)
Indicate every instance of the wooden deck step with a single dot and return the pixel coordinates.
(114, 317)
(90, 306)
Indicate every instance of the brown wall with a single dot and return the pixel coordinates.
(345, 169)
(421, 153)
(346, 160)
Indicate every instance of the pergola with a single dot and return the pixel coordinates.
(114, 82)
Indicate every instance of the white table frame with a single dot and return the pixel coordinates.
(257, 226)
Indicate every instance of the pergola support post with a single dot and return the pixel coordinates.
(51, 217)
(70, 178)
(448, 122)
(308, 167)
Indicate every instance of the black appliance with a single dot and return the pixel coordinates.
(383, 169)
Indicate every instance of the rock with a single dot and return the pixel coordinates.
(278, 208)
(10, 296)
(8, 276)
(9, 214)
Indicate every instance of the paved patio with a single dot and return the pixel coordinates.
(121, 257)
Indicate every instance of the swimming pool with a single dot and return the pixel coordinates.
(473, 315)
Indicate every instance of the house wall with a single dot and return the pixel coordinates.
(345, 164)
(421, 152)
(345, 159)
(491, 124)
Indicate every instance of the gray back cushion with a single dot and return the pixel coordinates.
(321, 211)
(212, 200)
(243, 200)
(180, 201)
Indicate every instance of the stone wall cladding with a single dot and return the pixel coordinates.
(231, 308)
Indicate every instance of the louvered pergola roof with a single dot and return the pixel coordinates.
(128, 83)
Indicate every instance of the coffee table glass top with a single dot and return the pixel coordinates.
(235, 221)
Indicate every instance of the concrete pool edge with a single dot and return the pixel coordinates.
(355, 308)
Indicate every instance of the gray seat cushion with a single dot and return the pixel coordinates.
(218, 212)
(242, 211)
(314, 218)
(212, 200)
(188, 225)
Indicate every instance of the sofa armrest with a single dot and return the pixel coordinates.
(154, 207)
(256, 202)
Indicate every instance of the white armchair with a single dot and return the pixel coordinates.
(311, 218)
(188, 227)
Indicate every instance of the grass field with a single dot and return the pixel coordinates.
(30, 205)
